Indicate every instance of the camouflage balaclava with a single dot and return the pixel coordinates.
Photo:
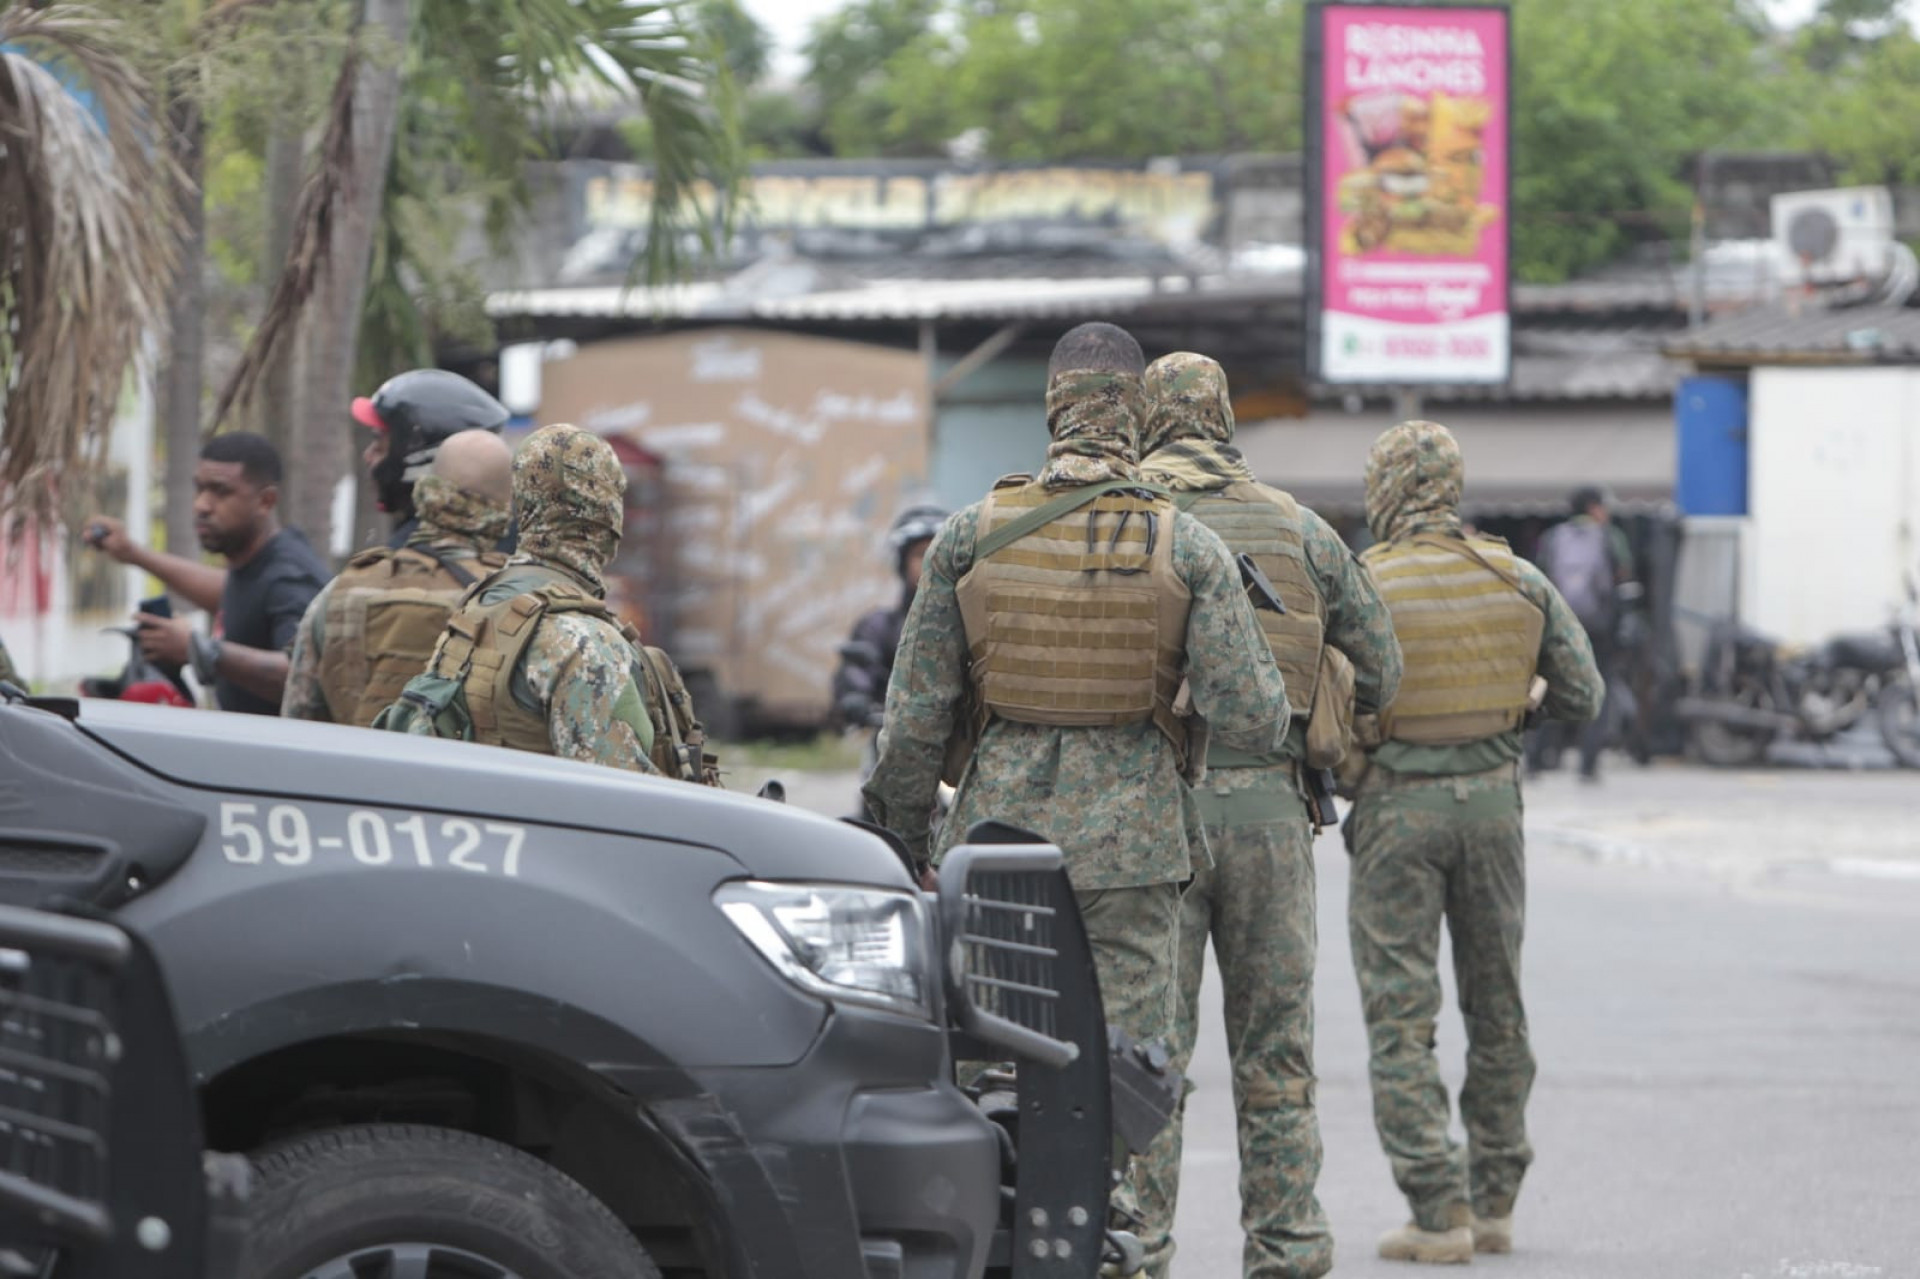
(1188, 440)
(567, 489)
(1094, 419)
(1414, 478)
(450, 513)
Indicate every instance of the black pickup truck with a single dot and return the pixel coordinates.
(475, 1014)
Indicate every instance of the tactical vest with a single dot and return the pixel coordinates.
(1253, 519)
(484, 644)
(1469, 637)
(384, 616)
(1082, 621)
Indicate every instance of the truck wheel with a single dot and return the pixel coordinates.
(1724, 746)
(394, 1200)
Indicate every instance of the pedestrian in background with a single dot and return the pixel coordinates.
(1044, 676)
(1435, 835)
(258, 599)
(1257, 902)
(1588, 560)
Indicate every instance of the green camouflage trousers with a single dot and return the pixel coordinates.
(1134, 934)
(1426, 849)
(1257, 903)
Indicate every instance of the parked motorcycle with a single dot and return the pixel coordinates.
(1754, 692)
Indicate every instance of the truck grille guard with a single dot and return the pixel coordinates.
(101, 1169)
(1021, 983)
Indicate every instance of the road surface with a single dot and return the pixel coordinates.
(1723, 977)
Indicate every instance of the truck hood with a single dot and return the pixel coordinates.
(262, 755)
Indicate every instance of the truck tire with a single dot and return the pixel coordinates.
(1724, 746)
(429, 1203)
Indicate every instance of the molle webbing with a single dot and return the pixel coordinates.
(485, 642)
(385, 613)
(1265, 523)
(1081, 621)
(1469, 637)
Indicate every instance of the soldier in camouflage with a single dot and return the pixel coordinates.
(1111, 795)
(1257, 902)
(1435, 835)
(461, 513)
(577, 688)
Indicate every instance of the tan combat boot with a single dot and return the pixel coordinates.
(1452, 1247)
(1493, 1234)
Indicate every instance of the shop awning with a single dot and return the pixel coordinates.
(1517, 463)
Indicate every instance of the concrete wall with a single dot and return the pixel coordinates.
(993, 423)
(1834, 486)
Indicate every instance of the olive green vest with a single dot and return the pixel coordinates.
(1082, 621)
(1469, 638)
(384, 616)
(1253, 519)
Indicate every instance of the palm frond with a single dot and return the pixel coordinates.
(88, 247)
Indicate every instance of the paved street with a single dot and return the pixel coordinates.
(1724, 984)
(1725, 997)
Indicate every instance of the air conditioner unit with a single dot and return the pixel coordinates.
(1837, 236)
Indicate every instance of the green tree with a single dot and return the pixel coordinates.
(1611, 102)
(1861, 66)
(857, 59)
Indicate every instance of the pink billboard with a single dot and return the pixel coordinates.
(1408, 117)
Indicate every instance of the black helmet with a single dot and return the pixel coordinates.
(416, 411)
(915, 524)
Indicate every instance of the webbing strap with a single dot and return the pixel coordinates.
(1047, 512)
(459, 575)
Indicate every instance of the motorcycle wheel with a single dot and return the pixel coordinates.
(1898, 707)
(1724, 746)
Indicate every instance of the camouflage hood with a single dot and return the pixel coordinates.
(449, 513)
(1094, 419)
(568, 489)
(1414, 478)
(1188, 440)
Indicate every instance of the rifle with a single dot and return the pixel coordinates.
(1259, 589)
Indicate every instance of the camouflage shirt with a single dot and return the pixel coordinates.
(453, 522)
(1112, 798)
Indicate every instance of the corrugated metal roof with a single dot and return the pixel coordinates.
(1849, 335)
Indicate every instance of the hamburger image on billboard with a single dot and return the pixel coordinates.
(1411, 108)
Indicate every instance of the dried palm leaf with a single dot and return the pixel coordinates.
(87, 244)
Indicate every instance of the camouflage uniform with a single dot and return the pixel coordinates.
(452, 522)
(579, 672)
(1258, 900)
(1435, 835)
(1112, 798)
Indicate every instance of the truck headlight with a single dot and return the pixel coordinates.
(856, 945)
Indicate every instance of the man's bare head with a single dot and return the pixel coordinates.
(479, 462)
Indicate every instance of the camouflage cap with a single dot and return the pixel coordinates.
(568, 490)
(1187, 399)
(1415, 475)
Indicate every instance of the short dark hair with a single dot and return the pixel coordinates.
(1585, 498)
(259, 460)
(1101, 348)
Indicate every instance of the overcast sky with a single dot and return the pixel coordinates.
(789, 20)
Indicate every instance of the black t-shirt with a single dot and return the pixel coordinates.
(262, 605)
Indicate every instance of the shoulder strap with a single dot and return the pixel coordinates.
(1461, 546)
(1047, 512)
(460, 576)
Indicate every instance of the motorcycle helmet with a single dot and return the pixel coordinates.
(917, 523)
(416, 411)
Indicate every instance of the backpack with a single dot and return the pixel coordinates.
(1578, 560)
(679, 739)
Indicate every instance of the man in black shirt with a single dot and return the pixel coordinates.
(272, 574)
